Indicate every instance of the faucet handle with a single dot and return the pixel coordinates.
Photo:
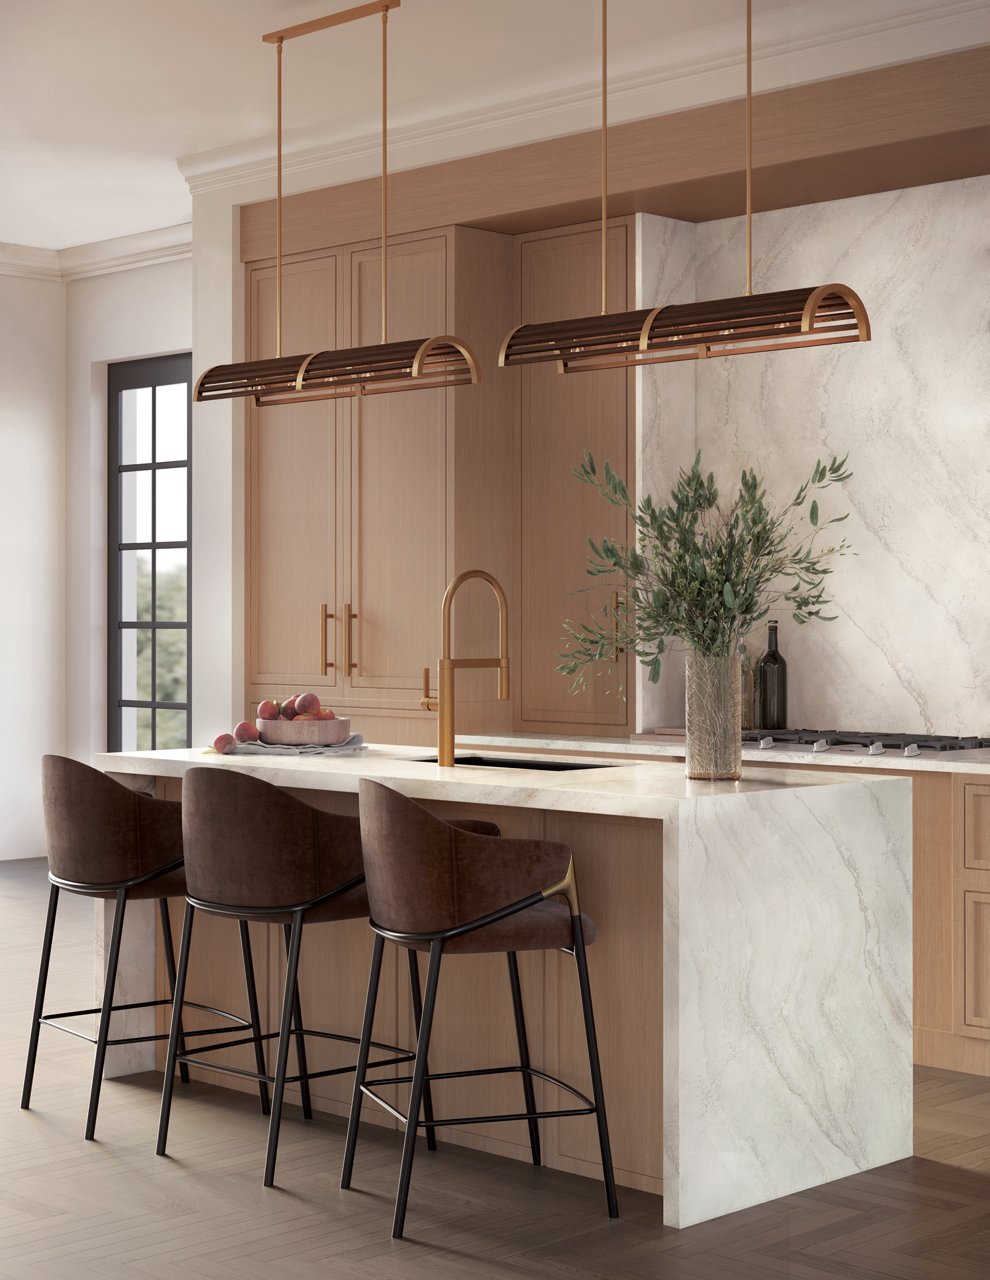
(426, 702)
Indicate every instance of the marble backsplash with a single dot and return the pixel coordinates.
(910, 649)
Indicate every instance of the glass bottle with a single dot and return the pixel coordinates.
(773, 683)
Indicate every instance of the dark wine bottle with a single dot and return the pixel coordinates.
(773, 684)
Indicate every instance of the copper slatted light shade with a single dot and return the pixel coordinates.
(413, 365)
(810, 317)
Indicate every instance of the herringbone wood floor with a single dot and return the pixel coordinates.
(110, 1209)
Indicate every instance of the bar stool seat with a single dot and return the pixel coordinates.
(108, 842)
(432, 886)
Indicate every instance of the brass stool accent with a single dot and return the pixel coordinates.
(106, 841)
(434, 887)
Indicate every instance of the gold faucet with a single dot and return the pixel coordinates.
(444, 704)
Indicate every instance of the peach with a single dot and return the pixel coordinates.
(325, 714)
(225, 744)
(268, 710)
(289, 709)
(307, 704)
(246, 732)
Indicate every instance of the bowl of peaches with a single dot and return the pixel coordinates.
(297, 722)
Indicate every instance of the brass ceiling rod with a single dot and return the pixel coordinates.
(419, 364)
(807, 317)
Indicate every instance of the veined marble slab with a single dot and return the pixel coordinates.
(787, 993)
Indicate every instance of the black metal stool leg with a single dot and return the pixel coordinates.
(284, 1034)
(39, 1000)
(254, 1014)
(361, 1070)
(416, 1092)
(598, 1094)
(523, 1041)
(297, 1021)
(103, 1032)
(417, 1004)
(169, 947)
(173, 1035)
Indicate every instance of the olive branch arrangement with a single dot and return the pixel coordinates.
(702, 573)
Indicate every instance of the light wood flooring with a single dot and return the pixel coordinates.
(111, 1209)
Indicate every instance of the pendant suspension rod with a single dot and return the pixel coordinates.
(604, 156)
(749, 148)
(278, 201)
(385, 174)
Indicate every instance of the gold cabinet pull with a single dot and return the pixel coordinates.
(349, 617)
(617, 648)
(325, 617)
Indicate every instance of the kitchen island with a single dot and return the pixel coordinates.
(752, 976)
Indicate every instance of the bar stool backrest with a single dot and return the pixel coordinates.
(250, 844)
(99, 831)
(425, 876)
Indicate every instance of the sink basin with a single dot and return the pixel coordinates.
(520, 762)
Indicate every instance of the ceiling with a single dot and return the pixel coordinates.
(100, 99)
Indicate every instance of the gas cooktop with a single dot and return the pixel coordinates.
(909, 744)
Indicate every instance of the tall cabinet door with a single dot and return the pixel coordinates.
(561, 417)
(291, 494)
(395, 557)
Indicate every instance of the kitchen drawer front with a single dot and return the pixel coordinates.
(976, 828)
(976, 943)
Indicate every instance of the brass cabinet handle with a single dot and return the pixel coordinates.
(616, 647)
(325, 617)
(349, 617)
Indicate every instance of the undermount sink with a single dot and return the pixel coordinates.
(521, 762)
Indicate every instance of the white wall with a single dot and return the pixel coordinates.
(32, 563)
(911, 648)
(145, 311)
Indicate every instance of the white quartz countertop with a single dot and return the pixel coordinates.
(651, 790)
(976, 762)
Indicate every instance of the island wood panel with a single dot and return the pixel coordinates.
(976, 827)
(395, 539)
(618, 863)
(561, 417)
(922, 121)
(290, 471)
(976, 961)
(971, 908)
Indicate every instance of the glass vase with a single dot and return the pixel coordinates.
(712, 716)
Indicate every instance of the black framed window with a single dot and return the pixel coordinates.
(149, 580)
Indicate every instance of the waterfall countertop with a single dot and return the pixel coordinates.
(642, 789)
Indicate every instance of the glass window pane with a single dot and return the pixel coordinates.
(170, 583)
(171, 436)
(171, 730)
(128, 728)
(143, 735)
(135, 425)
(135, 506)
(135, 586)
(171, 511)
(171, 663)
(135, 664)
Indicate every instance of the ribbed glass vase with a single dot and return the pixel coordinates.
(712, 716)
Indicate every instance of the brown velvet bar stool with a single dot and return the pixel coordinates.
(432, 887)
(107, 841)
(255, 852)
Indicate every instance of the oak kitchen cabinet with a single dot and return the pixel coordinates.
(358, 512)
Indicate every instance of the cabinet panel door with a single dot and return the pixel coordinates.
(977, 828)
(976, 911)
(290, 492)
(396, 562)
(563, 417)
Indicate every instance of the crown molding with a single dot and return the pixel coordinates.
(30, 264)
(823, 41)
(124, 253)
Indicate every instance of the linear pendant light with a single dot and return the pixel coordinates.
(418, 364)
(808, 317)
